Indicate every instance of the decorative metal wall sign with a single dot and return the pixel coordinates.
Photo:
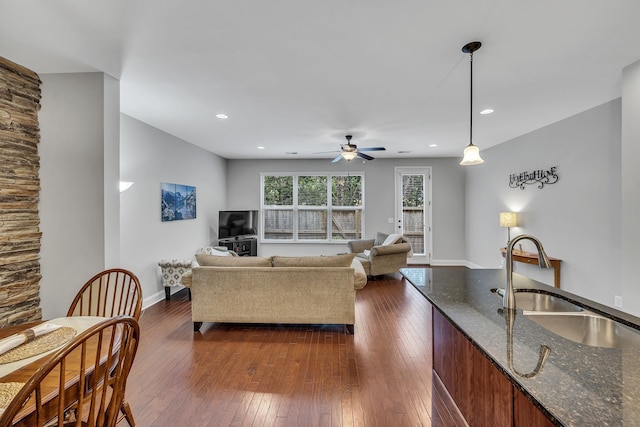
(540, 177)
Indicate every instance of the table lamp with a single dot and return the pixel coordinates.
(508, 219)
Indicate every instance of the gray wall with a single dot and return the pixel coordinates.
(630, 188)
(150, 157)
(87, 224)
(577, 219)
(243, 192)
(72, 197)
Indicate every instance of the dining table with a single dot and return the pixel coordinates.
(19, 365)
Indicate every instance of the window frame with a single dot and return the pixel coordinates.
(296, 208)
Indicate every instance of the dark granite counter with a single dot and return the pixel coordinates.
(578, 385)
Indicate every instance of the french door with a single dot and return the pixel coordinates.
(413, 210)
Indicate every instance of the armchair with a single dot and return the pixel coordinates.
(382, 255)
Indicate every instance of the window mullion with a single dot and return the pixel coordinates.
(296, 211)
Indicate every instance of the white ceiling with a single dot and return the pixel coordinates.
(297, 75)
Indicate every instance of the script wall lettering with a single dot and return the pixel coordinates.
(540, 177)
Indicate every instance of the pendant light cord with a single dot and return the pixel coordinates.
(471, 102)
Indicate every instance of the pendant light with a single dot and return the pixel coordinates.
(472, 152)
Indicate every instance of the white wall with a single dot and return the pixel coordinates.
(630, 187)
(243, 192)
(72, 195)
(149, 157)
(577, 219)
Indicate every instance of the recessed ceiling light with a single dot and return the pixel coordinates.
(222, 116)
(433, 145)
(487, 111)
(260, 147)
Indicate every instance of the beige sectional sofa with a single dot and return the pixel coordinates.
(306, 290)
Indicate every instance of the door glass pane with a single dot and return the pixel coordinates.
(413, 211)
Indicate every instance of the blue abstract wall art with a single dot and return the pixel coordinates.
(178, 202)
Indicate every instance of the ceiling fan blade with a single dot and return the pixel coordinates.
(364, 156)
(337, 159)
(372, 149)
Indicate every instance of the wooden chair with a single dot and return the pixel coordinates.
(83, 383)
(110, 293)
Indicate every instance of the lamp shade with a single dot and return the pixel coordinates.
(471, 156)
(508, 219)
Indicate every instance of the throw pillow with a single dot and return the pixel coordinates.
(215, 250)
(380, 237)
(343, 260)
(232, 261)
(392, 239)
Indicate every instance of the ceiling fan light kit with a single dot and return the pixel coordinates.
(349, 155)
(472, 152)
(350, 151)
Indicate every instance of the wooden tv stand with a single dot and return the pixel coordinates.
(532, 258)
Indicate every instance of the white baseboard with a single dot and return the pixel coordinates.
(448, 262)
(153, 299)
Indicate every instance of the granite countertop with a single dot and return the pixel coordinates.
(578, 385)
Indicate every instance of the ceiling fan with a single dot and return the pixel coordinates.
(350, 151)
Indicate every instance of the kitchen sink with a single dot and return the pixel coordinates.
(587, 328)
(573, 322)
(534, 301)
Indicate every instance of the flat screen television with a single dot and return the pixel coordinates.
(232, 224)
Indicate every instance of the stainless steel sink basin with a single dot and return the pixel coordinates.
(533, 301)
(587, 328)
(573, 322)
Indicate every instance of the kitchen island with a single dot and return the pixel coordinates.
(576, 385)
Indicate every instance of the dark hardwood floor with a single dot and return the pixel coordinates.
(283, 375)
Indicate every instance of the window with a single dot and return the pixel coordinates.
(312, 207)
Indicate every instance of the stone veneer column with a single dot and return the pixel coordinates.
(19, 193)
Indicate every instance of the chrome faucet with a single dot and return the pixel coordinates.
(509, 297)
(545, 350)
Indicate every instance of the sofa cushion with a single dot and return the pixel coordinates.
(232, 261)
(359, 274)
(343, 260)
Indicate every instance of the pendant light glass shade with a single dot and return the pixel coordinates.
(471, 153)
(471, 156)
